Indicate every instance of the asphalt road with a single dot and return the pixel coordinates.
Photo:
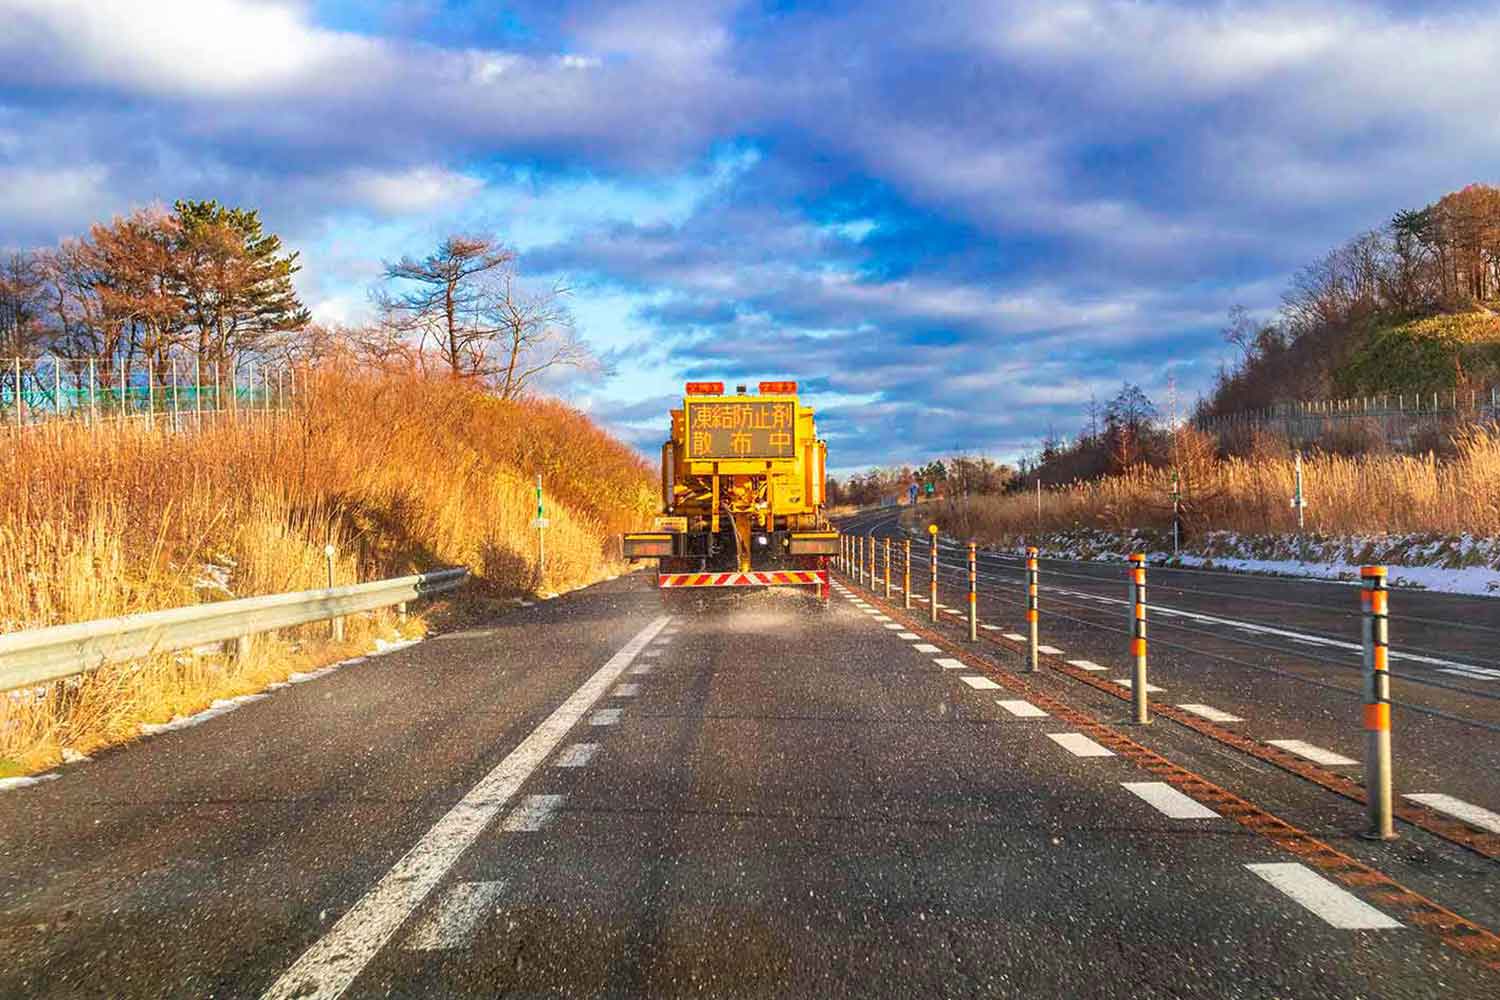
(756, 797)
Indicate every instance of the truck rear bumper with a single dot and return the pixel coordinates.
(754, 578)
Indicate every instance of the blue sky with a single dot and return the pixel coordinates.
(951, 225)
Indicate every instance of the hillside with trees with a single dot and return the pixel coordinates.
(1408, 307)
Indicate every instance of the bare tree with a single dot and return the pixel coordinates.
(537, 334)
(22, 303)
(448, 300)
(466, 298)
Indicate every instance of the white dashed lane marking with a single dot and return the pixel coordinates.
(1169, 801)
(577, 755)
(641, 669)
(909, 636)
(327, 969)
(627, 690)
(926, 647)
(948, 663)
(1079, 745)
(1210, 713)
(1089, 665)
(1014, 637)
(1125, 682)
(989, 628)
(1021, 709)
(980, 683)
(534, 812)
(1316, 754)
(894, 627)
(1049, 650)
(1335, 906)
(456, 917)
(1469, 813)
(605, 717)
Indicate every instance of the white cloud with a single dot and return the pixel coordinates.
(419, 189)
(52, 198)
(187, 48)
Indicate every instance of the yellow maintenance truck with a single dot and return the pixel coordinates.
(742, 480)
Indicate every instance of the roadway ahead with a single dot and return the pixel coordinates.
(759, 797)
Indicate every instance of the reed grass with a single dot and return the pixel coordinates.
(399, 474)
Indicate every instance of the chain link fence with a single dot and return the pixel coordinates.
(1402, 422)
(176, 392)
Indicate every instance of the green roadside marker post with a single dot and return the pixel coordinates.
(540, 523)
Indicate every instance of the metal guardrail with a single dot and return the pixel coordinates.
(38, 656)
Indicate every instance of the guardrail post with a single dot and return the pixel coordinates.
(887, 569)
(1031, 610)
(337, 623)
(242, 648)
(401, 613)
(1373, 597)
(906, 575)
(932, 588)
(973, 597)
(1138, 638)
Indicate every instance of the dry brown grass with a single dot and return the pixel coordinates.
(399, 474)
(1372, 494)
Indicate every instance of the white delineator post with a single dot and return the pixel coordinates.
(1377, 691)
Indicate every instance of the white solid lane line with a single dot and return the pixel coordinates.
(909, 636)
(605, 717)
(1125, 682)
(627, 690)
(534, 812)
(980, 683)
(948, 663)
(326, 969)
(1079, 745)
(1210, 713)
(1086, 665)
(1337, 907)
(1021, 709)
(1169, 801)
(1468, 812)
(456, 917)
(577, 755)
(926, 647)
(1316, 754)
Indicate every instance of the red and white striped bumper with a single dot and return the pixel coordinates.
(794, 577)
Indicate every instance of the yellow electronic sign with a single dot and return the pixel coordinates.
(752, 428)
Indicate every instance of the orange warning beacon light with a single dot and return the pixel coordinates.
(778, 388)
(705, 388)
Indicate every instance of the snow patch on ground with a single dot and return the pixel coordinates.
(6, 784)
(1454, 564)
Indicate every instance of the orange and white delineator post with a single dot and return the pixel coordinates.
(887, 569)
(1138, 637)
(973, 597)
(1373, 595)
(1031, 610)
(906, 574)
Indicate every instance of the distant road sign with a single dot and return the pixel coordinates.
(911, 493)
